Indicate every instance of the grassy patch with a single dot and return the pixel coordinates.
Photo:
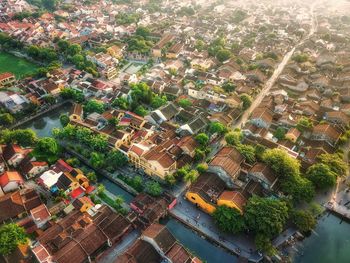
(18, 66)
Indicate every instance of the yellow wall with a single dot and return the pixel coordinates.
(85, 207)
(197, 200)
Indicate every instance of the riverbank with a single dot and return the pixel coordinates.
(42, 112)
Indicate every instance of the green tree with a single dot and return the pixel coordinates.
(199, 45)
(121, 102)
(91, 176)
(300, 58)
(11, 235)
(279, 133)
(248, 152)
(223, 55)
(300, 188)
(334, 162)
(265, 216)
(113, 121)
(234, 137)
(246, 100)
(94, 106)
(199, 154)
(170, 179)
(154, 188)
(158, 101)
(217, 127)
(100, 188)
(264, 244)
(141, 111)
(281, 162)
(191, 176)
(64, 119)
(116, 159)
(228, 86)
(303, 124)
(23, 137)
(98, 142)
(97, 160)
(74, 49)
(143, 31)
(202, 167)
(63, 45)
(321, 176)
(47, 146)
(202, 139)
(228, 219)
(119, 201)
(185, 103)
(304, 220)
(6, 119)
(50, 99)
(46, 149)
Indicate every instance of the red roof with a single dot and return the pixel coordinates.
(39, 163)
(63, 166)
(40, 213)
(6, 75)
(77, 192)
(10, 177)
(89, 189)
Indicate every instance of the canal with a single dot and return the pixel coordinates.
(329, 243)
(200, 247)
(45, 123)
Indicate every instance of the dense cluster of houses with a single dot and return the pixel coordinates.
(74, 227)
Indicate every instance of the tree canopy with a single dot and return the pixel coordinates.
(304, 220)
(11, 235)
(217, 127)
(234, 137)
(154, 188)
(94, 106)
(334, 162)
(281, 162)
(321, 176)
(202, 139)
(246, 100)
(228, 219)
(265, 216)
(23, 137)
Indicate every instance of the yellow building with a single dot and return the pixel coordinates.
(208, 192)
(205, 192)
(152, 160)
(115, 51)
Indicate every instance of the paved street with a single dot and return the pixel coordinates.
(202, 222)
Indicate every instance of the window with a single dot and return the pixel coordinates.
(193, 198)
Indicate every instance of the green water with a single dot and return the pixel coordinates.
(329, 244)
(44, 124)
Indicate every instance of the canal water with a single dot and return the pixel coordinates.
(200, 247)
(115, 189)
(329, 244)
(44, 124)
